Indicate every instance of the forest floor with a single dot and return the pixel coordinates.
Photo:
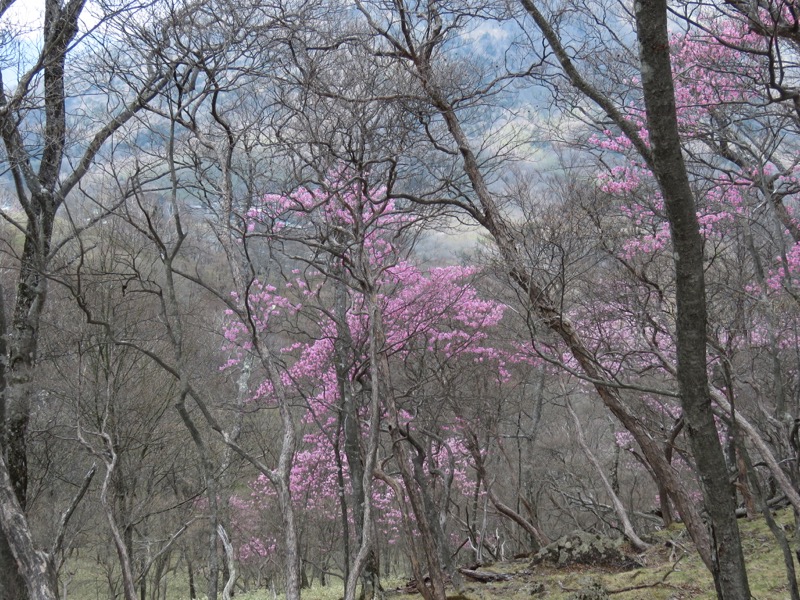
(671, 570)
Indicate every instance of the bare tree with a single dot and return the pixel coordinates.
(44, 174)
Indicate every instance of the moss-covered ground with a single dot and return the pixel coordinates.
(671, 570)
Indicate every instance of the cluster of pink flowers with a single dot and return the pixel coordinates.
(434, 312)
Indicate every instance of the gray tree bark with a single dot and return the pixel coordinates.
(365, 563)
(728, 568)
(35, 568)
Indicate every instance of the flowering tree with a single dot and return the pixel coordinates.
(386, 318)
(651, 129)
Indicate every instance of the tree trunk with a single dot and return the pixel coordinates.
(728, 569)
(399, 432)
(362, 518)
(35, 567)
(12, 586)
(21, 353)
(39, 194)
(536, 535)
(619, 508)
(210, 478)
(190, 571)
(230, 564)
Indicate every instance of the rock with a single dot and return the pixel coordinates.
(583, 548)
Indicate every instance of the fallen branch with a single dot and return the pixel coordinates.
(644, 586)
(484, 576)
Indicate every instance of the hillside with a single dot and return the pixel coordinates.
(671, 571)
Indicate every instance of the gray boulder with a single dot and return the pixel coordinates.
(583, 548)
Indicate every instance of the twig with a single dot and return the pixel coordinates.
(644, 586)
(67, 514)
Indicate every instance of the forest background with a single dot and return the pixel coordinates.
(239, 342)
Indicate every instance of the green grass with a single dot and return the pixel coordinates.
(672, 571)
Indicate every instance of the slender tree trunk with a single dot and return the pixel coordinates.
(435, 512)
(777, 530)
(128, 581)
(190, 572)
(536, 535)
(230, 577)
(619, 508)
(399, 432)
(414, 556)
(211, 482)
(728, 567)
(360, 474)
(366, 559)
(342, 492)
(174, 327)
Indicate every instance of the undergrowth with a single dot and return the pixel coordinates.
(671, 570)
